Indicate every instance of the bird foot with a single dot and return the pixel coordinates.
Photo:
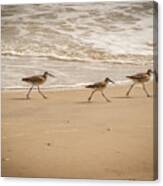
(45, 97)
(149, 96)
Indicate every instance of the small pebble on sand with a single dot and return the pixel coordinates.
(5, 159)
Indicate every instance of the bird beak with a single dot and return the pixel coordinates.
(111, 81)
(51, 75)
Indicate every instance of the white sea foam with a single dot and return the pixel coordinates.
(79, 43)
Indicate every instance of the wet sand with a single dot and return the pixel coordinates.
(67, 137)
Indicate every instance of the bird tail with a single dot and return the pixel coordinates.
(25, 79)
(130, 77)
(89, 86)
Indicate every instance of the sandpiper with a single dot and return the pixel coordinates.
(140, 78)
(36, 81)
(99, 86)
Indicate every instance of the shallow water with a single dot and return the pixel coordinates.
(79, 43)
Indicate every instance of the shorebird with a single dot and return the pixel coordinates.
(141, 78)
(36, 81)
(99, 86)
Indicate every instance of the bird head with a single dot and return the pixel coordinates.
(107, 80)
(48, 74)
(149, 71)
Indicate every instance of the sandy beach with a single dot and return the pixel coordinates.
(65, 136)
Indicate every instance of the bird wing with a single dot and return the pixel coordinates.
(95, 85)
(99, 84)
(33, 78)
(137, 76)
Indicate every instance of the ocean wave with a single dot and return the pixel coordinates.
(78, 42)
(114, 59)
(78, 31)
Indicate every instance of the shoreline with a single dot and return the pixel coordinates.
(56, 89)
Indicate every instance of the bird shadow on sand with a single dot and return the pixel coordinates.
(122, 97)
(92, 102)
(130, 97)
(20, 99)
(83, 102)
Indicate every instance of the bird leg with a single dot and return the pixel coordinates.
(90, 97)
(29, 91)
(41, 93)
(105, 97)
(128, 92)
(145, 90)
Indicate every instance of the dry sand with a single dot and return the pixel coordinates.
(65, 136)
